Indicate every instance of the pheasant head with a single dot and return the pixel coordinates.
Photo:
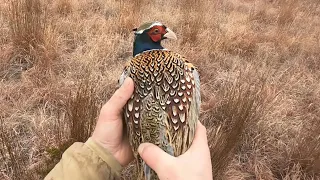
(149, 36)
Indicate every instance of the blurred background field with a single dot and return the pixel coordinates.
(259, 62)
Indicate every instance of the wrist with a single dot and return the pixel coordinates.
(116, 151)
(104, 154)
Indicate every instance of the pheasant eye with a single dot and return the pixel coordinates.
(156, 31)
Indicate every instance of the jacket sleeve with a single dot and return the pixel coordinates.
(86, 161)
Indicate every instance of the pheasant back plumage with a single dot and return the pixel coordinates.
(164, 107)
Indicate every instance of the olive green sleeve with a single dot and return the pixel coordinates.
(86, 161)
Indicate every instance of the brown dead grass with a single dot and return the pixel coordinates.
(82, 111)
(32, 42)
(64, 7)
(26, 24)
(242, 102)
(258, 60)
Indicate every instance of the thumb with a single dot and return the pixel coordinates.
(119, 98)
(200, 142)
(155, 157)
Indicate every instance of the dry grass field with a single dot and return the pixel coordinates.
(259, 62)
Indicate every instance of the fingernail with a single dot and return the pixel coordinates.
(141, 147)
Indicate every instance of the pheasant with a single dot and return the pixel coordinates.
(165, 104)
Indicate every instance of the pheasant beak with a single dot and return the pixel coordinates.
(170, 34)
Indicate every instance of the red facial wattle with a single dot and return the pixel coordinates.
(156, 33)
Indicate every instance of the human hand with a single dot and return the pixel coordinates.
(109, 129)
(194, 164)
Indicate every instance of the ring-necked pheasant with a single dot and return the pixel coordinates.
(164, 107)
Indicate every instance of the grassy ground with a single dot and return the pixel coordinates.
(258, 60)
